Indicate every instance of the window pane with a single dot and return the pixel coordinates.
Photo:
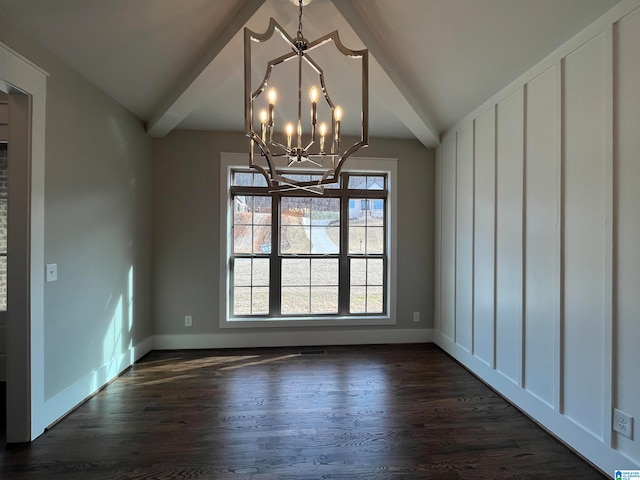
(242, 300)
(295, 271)
(375, 183)
(294, 230)
(324, 271)
(322, 239)
(261, 272)
(324, 299)
(325, 225)
(252, 224)
(295, 300)
(357, 239)
(260, 301)
(357, 181)
(374, 299)
(358, 271)
(242, 272)
(374, 271)
(243, 179)
(357, 302)
(375, 240)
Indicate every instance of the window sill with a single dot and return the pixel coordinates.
(347, 321)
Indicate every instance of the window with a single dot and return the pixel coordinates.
(298, 258)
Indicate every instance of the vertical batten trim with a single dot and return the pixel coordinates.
(438, 273)
(557, 279)
(561, 211)
(455, 238)
(495, 236)
(523, 303)
(609, 245)
(473, 236)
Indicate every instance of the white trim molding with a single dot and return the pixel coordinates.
(297, 338)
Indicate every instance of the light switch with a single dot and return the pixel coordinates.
(52, 272)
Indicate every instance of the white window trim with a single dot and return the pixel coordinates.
(229, 161)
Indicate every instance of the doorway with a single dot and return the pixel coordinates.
(25, 86)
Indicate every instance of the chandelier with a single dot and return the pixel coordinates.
(275, 150)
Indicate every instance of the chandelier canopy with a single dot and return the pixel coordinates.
(275, 150)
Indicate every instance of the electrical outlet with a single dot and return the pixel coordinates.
(623, 423)
(188, 321)
(416, 317)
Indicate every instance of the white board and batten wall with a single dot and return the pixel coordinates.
(538, 272)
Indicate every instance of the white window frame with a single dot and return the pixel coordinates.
(239, 161)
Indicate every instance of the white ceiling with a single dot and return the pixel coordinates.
(179, 64)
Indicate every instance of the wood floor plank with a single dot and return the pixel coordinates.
(394, 412)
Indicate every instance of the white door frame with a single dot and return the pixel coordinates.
(26, 85)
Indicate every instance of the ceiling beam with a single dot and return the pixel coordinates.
(406, 104)
(192, 87)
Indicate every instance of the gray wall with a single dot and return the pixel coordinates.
(97, 223)
(186, 223)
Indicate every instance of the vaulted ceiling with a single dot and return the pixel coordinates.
(179, 64)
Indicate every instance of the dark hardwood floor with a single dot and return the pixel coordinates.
(365, 412)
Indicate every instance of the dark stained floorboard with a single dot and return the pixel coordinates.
(367, 412)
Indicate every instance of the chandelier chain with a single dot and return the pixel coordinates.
(299, 18)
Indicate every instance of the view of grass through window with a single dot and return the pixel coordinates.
(300, 272)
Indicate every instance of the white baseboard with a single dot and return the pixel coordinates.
(61, 404)
(247, 339)
(581, 440)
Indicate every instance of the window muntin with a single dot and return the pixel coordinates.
(321, 240)
(375, 172)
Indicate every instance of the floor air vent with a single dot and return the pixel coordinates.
(312, 352)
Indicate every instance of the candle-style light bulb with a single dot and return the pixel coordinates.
(263, 124)
(289, 132)
(313, 94)
(337, 116)
(338, 113)
(323, 132)
(272, 103)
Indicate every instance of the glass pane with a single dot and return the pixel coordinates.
(261, 271)
(295, 271)
(242, 208)
(243, 179)
(242, 301)
(242, 239)
(325, 210)
(375, 240)
(375, 183)
(328, 185)
(260, 301)
(259, 180)
(295, 300)
(322, 239)
(261, 237)
(295, 240)
(374, 271)
(358, 271)
(357, 239)
(357, 181)
(357, 302)
(242, 272)
(294, 232)
(324, 271)
(324, 299)
(374, 299)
